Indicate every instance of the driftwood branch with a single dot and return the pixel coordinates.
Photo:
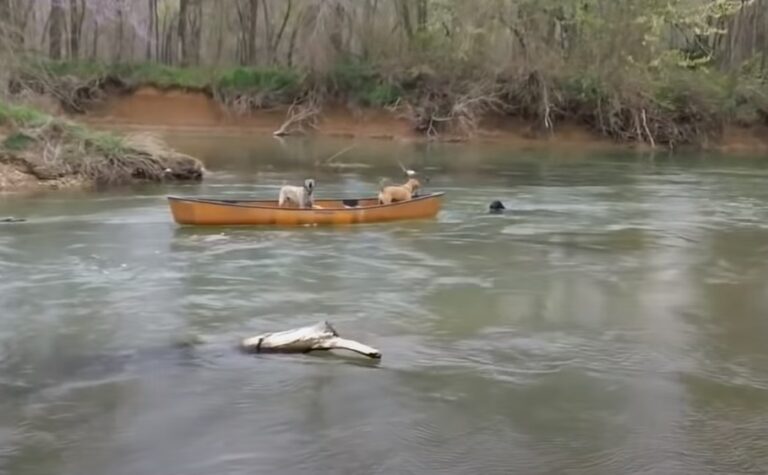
(318, 337)
(300, 116)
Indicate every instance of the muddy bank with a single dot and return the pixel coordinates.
(176, 109)
(151, 107)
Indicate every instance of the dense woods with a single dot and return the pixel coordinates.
(654, 71)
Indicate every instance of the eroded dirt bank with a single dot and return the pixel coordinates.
(152, 108)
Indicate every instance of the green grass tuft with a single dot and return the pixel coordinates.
(21, 115)
(17, 142)
(105, 143)
(261, 80)
(362, 83)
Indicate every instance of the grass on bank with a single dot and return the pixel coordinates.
(51, 148)
(360, 81)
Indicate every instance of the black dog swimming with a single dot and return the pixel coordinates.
(496, 207)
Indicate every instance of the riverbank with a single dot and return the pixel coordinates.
(41, 151)
(675, 108)
(190, 110)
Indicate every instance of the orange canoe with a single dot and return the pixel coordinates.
(204, 211)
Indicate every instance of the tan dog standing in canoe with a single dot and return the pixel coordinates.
(393, 194)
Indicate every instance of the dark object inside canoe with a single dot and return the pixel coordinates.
(12, 220)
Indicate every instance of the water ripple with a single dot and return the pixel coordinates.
(609, 322)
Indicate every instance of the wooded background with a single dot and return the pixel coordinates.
(314, 34)
(654, 71)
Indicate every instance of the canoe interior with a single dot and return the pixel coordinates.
(330, 203)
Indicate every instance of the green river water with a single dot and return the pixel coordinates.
(613, 321)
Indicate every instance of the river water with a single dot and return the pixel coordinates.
(613, 321)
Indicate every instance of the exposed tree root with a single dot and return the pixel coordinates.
(443, 111)
(74, 94)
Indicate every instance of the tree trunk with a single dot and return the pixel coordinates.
(17, 18)
(278, 39)
(267, 32)
(219, 38)
(118, 52)
(158, 38)
(421, 16)
(252, 19)
(94, 46)
(76, 19)
(150, 29)
(183, 7)
(369, 13)
(168, 37)
(5, 24)
(405, 17)
(336, 36)
(292, 42)
(56, 30)
(194, 32)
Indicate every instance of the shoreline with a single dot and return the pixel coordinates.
(182, 110)
(179, 110)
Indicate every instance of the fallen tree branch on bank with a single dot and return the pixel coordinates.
(300, 117)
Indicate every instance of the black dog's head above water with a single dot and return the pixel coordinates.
(496, 207)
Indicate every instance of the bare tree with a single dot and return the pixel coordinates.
(519, 35)
(183, 9)
(5, 12)
(151, 30)
(120, 42)
(190, 25)
(76, 20)
(56, 29)
(421, 15)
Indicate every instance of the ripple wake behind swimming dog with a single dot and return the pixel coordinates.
(300, 196)
(392, 194)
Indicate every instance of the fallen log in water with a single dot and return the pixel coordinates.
(318, 337)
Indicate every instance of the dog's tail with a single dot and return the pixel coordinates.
(383, 183)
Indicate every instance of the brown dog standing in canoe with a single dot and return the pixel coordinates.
(392, 194)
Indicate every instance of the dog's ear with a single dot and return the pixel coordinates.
(309, 184)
